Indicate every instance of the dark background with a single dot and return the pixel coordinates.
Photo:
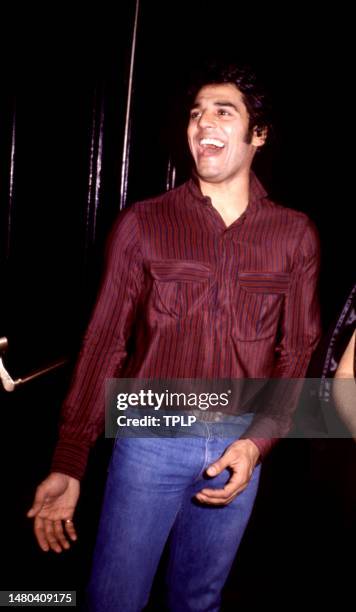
(64, 83)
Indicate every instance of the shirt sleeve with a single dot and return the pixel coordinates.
(103, 350)
(299, 335)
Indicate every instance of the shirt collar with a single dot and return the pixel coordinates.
(256, 192)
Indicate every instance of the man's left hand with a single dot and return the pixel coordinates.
(240, 458)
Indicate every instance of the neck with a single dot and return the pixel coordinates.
(231, 196)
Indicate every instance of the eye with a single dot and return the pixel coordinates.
(194, 114)
(223, 112)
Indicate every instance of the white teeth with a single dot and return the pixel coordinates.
(212, 141)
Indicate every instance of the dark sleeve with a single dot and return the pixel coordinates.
(299, 335)
(103, 350)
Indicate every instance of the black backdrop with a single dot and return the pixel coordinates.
(65, 78)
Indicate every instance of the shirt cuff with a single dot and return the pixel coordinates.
(70, 457)
(264, 445)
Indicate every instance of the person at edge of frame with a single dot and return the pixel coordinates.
(215, 281)
(330, 421)
(342, 347)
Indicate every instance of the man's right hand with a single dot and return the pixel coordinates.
(53, 508)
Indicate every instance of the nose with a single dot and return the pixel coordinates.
(207, 119)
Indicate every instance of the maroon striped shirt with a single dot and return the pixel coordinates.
(197, 299)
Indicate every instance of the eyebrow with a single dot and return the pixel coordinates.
(218, 103)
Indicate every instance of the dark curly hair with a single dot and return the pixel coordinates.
(253, 92)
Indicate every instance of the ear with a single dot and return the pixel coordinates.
(259, 136)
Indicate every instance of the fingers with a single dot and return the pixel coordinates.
(228, 458)
(238, 480)
(37, 503)
(219, 501)
(51, 536)
(69, 527)
(216, 468)
(224, 495)
(54, 504)
(34, 510)
(240, 452)
(40, 533)
(61, 539)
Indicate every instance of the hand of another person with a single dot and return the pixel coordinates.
(240, 458)
(53, 508)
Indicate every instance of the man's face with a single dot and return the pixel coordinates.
(218, 134)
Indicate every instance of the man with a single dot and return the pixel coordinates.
(210, 280)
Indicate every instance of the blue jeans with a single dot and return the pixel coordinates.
(149, 497)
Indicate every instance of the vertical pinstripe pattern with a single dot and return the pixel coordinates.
(208, 301)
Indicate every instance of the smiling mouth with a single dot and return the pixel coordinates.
(211, 142)
(210, 146)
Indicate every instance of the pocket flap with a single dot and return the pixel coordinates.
(265, 282)
(180, 270)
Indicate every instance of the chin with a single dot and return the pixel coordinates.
(210, 176)
(207, 172)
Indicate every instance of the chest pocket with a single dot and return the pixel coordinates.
(260, 302)
(180, 287)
